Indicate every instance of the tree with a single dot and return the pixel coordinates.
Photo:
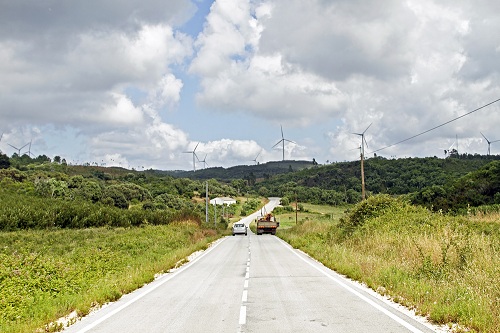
(4, 161)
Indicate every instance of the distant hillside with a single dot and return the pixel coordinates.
(392, 176)
(477, 188)
(254, 172)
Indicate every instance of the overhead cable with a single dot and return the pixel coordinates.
(449, 121)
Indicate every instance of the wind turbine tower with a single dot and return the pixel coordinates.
(489, 142)
(194, 156)
(282, 141)
(362, 153)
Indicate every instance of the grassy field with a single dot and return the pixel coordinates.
(310, 212)
(47, 274)
(446, 268)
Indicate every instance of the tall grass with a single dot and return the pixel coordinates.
(446, 268)
(46, 274)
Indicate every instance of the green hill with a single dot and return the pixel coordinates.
(341, 182)
(264, 170)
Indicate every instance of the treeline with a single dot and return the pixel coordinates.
(339, 183)
(51, 195)
(477, 188)
(250, 173)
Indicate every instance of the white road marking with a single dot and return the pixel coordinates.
(243, 315)
(355, 292)
(245, 296)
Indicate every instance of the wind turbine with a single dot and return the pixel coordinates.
(194, 155)
(283, 142)
(489, 142)
(362, 153)
(204, 161)
(255, 159)
(29, 150)
(18, 149)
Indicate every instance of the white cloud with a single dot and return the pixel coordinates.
(167, 91)
(121, 112)
(109, 73)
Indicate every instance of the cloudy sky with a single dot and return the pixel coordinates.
(136, 83)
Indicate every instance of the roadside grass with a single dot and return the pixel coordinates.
(47, 274)
(445, 268)
(310, 212)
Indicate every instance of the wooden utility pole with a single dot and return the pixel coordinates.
(206, 204)
(363, 194)
(296, 208)
(362, 153)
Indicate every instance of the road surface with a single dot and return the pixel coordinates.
(250, 284)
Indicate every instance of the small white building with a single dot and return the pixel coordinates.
(223, 201)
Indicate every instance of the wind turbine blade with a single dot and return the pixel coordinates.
(196, 147)
(485, 138)
(282, 137)
(493, 141)
(366, 143)
(277, 143)
(367, 128)
(13, 146)
(290, 141)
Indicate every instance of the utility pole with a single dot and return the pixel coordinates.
(215, 214)
(296, 209)
(362, 153)
(206, 204)
(363, 195)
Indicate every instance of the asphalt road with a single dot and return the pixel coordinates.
(250, 284)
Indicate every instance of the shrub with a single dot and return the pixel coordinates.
(371, 207)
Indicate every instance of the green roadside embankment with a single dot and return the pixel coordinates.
(47, 274)
(446, 268)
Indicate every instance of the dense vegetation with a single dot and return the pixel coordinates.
(339, 183)
(477, 188)
(55, 195)
(446, 268)
(47, 274)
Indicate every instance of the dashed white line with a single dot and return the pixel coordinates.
(243, 315)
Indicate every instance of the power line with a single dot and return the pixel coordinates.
(446, 123)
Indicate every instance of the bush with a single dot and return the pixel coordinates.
(371, 207)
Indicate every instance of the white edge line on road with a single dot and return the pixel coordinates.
(355, 292)
(159, 282)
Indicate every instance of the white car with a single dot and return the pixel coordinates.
(239, 228)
